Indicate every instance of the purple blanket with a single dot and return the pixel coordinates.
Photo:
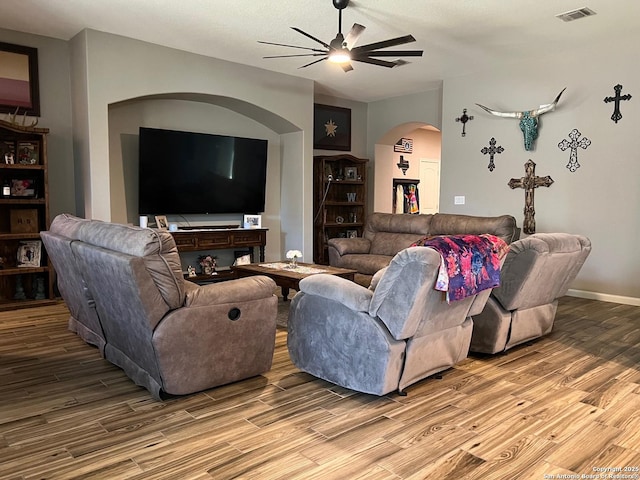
(469, 263)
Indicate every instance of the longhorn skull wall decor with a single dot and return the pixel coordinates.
(528, 119)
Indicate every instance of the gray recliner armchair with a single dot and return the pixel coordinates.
(378, 341)
(537, 271)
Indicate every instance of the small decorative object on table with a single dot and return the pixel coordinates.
(293, 256)
(207, 264)
(191, 271)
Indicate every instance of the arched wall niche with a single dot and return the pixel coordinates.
(109, 70)
(427, 144)
(204, 113)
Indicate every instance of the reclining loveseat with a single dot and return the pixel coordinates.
(127, 295)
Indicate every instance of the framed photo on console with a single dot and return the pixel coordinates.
(162, 222)
(252, 221)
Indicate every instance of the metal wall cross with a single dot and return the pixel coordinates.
(530, 182)
(464, 119)
(492, 150)
(583, 143)
(616, 107)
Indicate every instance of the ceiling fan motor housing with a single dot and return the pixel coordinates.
(340, 4)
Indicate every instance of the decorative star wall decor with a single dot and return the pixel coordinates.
(574, 144)
(492, 150)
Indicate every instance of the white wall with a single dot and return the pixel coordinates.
(600, 200)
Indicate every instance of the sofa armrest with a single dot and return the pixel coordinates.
(233, 291)
(350, 245)
(338, 289)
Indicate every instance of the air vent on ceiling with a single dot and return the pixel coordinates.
(576, 14)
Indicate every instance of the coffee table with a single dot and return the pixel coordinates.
(287, 278)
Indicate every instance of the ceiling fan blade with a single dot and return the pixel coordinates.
(375, 61)
(297, 55)
(392, 42)
(291, 46)
(311, 37)
(354, 34)
(315, 61)
(393, 53)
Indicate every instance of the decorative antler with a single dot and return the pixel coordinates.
(12, 119)
(532, 113)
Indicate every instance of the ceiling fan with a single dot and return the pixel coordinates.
(341, 49)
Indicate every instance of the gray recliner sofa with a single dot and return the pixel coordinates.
(169, 335)
(385, 234)
(537, 271)
(384, 339)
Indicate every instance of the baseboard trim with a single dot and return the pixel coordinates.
(604, 297)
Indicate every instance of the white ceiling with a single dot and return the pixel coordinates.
(458, 36)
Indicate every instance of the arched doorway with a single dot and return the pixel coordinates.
(424, 166)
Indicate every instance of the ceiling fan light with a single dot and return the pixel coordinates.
(341, 55)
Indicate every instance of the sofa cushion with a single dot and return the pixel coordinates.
(390, 243)
(365, 264)
(503, 226)
(396, 223)
(157, 249)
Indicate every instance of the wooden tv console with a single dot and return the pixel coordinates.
(193, 240)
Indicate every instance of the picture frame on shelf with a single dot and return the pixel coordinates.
(331, 127)
(29, 253)
(23, 187)
(252, 221)
(161, 222)
(19, 87)
(28, 153)
(352, 234)
(351, 173)
(7, 152)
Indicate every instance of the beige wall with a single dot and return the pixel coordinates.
(601, 199)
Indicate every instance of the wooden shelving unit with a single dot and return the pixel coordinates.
(24, 212)
(339, 200)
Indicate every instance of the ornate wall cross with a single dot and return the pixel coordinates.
(573, 164)
(464, 119)
(617, 98)
(530, 182)
(492, 150)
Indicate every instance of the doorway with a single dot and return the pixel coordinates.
(429, 186)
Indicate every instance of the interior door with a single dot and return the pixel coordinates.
(429, 188)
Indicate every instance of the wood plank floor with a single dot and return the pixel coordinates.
(566, 404)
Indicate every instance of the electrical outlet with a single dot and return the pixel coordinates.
(458, 200)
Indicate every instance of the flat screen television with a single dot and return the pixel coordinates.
(197, 173)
